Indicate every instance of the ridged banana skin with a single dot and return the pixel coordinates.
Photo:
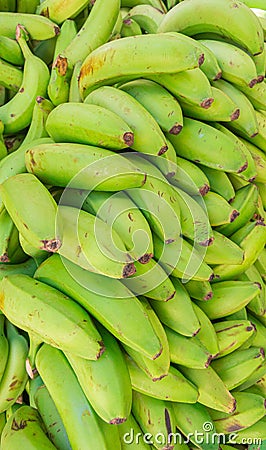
(127, 431)
(235, 368)
(232, 334)
(189, 177)
(50, 416)
(10, 76)
(260, 63)
(106, 382)
(212, 391)
(206, 335)
(38, 27)
(15, 376)
(223, 251)
(35, 220)
(28, 268)
(150, 54)
(250, 408)
(79, 418)
(158, 101)
(229, 297)
(21, 291)
(191, 86)
(94, 168)
(237, 66)
(155, 417)
(164, 389)
(148, 17)
(31, 435)
(111, 306)
(134, 115)
(196, 141)
(225, 18)
(58, 10)
(178, 313)
(4, 347)
(17, 113)
(89, 124)
(189, 418)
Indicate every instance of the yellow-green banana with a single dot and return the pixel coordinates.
(10, 248)
(10, 76)
(147, 16)
(231, 334)
(219, 182)
(58, 11)
(200, 290)
(189, 177)
(4, 350)
(220, 212)
(130, 28)
(256, 95)
(223, 251)
(206, 335)
(39, 28)
(28, 268)
(259, 159)
(256, 433)
(74, 95)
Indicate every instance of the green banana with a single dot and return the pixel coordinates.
(38, 255)
(219, 183)
(10, 51)
(80, 123)
(178, 313)
(200, 290)
(158, 101)
(106, 383)
(34, 220)
(187, 352)
(212, 17)
(259, 139)
(260, 63)
(256, 95)
(8, 5)
(105, 65)
(156, 419)
(247, 121)
(222, 108)
(262, 193)
(190, 178)
(207, 334)
(249, 409)
(25, 428)
(3, 145)
(258, 388)
(21, 291)
(255, 433)
(232, 334)
(245, 202)
(220, 212)
(10, 76)
(261, 264)
(258, 339)
(259, 160)
(58, 11)
(15, 376)
(223, 251)
(212, 391)
(192, 87)
(147, 16)
(94, 32)
(45, 50)
(3, 92)
(95, 168)
(182, 260)
(106, 299)
(39, 28)
(74, 95)
(28, 268)
(261, 14)
(134, 115)
(252, 243)
(49, 414)
(41, 110)
(164, 389)
(229, 297)
(10, 249)
(237, 66)
(80, 420)
(12, 143)
(155, 3)
(128, 431)
(4, 350)
(17, 113)
(130, 28)
(235, 368)
(254, 377)
(258, 304)
(188, 144)
(27, 6)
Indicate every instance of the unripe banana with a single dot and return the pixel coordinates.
(200, 290)
(148, 17)
(74, 95)
(256, 95)
(190, 178)
(255, 432)
(219, 182)
(10, 248)
(259, 139)
(38, 27)
(150, 54)
(106, 383)
(10, 76)
(27, 6)
(155, 3)
(38, 255)
(258, 339)
(178, 313)
(28, 268)
(4, 350)
(224, 303)
(223, 251)
(212, 16)
(260, 63)
(231, 334)
(41, 110)
(106, 299)
(206, 335)
(188, 144)
(130, 28)
(25, 428)
(261, 264)
(58, 11)
(259, 159)
(45, 50)
(219, 210)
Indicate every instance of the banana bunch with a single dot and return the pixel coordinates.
(132, 224)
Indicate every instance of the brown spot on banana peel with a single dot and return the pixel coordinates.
(260, 78)
(235, 115)
(61, 65)
(117, 420)
(207, 242)
(204, 190)
(128, 138)
(201, 59)
(207, 102)
(162, 150)
(170, 296)
(102, 349)
(160, 377)
(4, 258)
(51, 245)
(242, 168)
(176, 129)
(208, 296)
(218, 76)
(45, 13)
(253, 82)
(158, 354)
(234, 215)
(209, 360)
(144, 259)
(128, 270)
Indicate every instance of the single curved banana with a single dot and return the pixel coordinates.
(213, 16)
(258, 304)
(10, 248)
(58, 11)
(38, 255)
(219, 182)
(130, 28)
(106, 383)
(148, 17)
(159, 102)
(223, 251)
(94, 32)
(21, 291)
(259, 159)
(178, 313)
(10, 76)
(258, 338)
(25, 428)
(229, 297)
(15, 369)
(232, 334)
(74, 95)
(134, 115)
(188, 144)
(220, 212)
(212, 391)
(259, 139)
(79, 418)
(256, 431)
(150, 54)
(256, 95)
(106, 299)
(17, 113)
(199, 290)
(260, 63)
(39, 28)
(207, 335)
(190, 178)
(10, 51)
(40, 113)
(46, 408)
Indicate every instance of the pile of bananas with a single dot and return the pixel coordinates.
(132, 224)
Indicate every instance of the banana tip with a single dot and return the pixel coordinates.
(234, 215)
(102, 349)
(4, 258)
(260, 78)
(253, 82)
(242, 168)
(235, 115)
(128, 138)
(209, 360)
(163, 150)
(201, 59)
(117, 420)
(204, 190)
(208, 296)
(128, 270)
(51, 245)
(176, 129)
(144, 259)
(207, 103)
(207, 242)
